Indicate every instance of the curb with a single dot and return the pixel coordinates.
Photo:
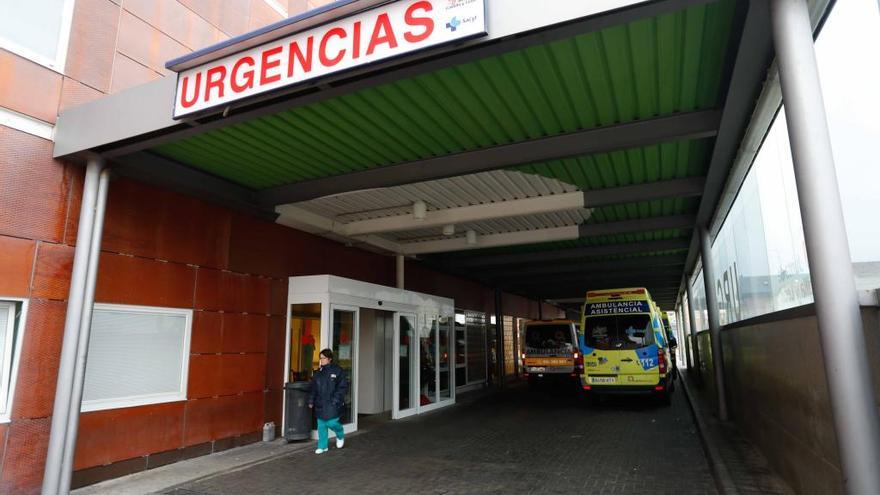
(723, 479)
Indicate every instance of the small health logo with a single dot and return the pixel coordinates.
(453, 24)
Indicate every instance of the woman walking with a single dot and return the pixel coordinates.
(329, 385)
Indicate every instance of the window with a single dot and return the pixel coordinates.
(37, 29)
(618, 332)
(137, 355)
(549, 339)
(11, 323)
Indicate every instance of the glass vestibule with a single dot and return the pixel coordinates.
(339, 313)
(344, 347)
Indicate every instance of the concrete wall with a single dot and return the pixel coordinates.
(778, 396)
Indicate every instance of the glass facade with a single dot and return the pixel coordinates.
(759, 253)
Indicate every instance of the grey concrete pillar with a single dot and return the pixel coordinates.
(499, 339)
(853, 404)
(714, 323)
(685, 339)
(692, 328)
(400, 267)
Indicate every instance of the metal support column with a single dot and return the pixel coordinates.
(714, 323)
(685, 339)
(400, 266)
(692, 330)
(84, 332)
(540, 309)
(853, 404)
(53, 471)
(499, 339)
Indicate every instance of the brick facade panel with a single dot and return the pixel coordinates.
(28, 87)
(222, 417)
(204, 376)
(227, 291)
(230, 16)
(16, 263)
(35, 385)
(52, 271)
(128, 73)
(153, 428)
(242, 373)
(25, 457)
(261, 15)
(129, 280)
(147, 221)
(176, 21)
(75, 93)
(145, 44)
(207, 331)
(277, 349)
(34, 188)
(244, 332)
(93, 43)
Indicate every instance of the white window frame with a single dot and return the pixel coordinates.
(58, 63)
(11, 357)
(143, 400)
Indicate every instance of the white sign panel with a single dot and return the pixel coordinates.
(385, 32)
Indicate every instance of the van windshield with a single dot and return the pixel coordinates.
(548, 339)
(618, 332)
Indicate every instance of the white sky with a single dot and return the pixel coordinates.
(849, 69)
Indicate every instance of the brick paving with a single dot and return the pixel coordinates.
(513, 442)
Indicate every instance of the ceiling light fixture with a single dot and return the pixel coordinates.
(420, 210)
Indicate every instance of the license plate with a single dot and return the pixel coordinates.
(603, 379)
(537, 369)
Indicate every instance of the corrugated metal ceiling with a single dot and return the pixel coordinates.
(652, 67)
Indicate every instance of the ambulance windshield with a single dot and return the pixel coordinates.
(618, 332)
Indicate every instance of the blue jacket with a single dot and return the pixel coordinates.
(327, 394)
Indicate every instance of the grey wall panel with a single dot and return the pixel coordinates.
(778, 396)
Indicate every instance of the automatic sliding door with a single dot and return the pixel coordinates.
(405, 371)
(344, 345)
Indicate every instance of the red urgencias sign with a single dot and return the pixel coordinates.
(381, 33)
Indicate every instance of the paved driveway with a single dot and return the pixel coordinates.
(517, 442)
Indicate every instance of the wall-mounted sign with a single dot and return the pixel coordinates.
(388, 31)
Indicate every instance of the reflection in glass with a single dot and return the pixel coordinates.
(305, 341)
(444, 335)
(428, 360)
(405, 344)
(343, 342)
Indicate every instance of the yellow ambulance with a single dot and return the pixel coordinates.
(624, 345)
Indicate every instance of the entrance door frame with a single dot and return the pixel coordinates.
(413, 409)
(327, 336)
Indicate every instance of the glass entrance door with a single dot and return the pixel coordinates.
(404, 363)
(343, 338)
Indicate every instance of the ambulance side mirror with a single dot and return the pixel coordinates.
(673, 343)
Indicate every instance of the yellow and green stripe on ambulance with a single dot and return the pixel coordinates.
(623, 344)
